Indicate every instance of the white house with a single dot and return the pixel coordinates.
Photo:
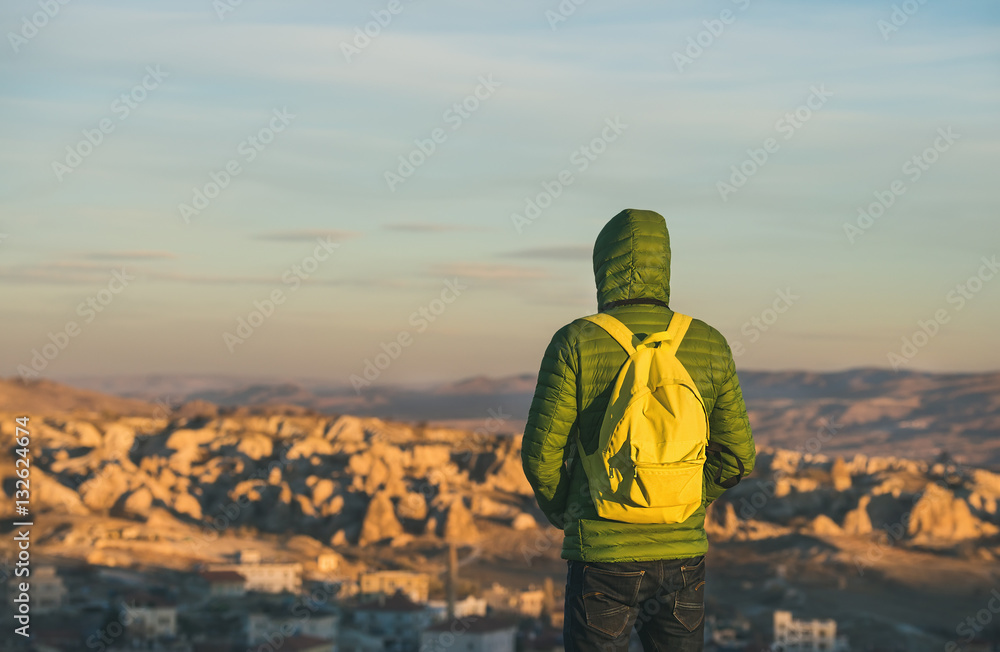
(791, 635)
(274, 577)
(469, 606)
(328, 562)
(414, 585)
(528, 602)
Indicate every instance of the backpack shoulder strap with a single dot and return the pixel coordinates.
(615, 329)
(675, 332)
(673, 335)
(677, 329)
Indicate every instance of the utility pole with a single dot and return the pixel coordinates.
(452, 579)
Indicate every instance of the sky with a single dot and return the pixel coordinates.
(313, 189)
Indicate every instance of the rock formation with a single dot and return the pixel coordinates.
(857, 522)
(459, 526)
(841, 475)
(380, 520)
(359, 481)
(939, 516)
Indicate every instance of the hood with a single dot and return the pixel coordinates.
(632, 258)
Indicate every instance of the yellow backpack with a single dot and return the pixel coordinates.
(649, 463)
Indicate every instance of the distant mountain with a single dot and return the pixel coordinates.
(461, 403)
(870, 411)
(878, 412)
(48, 397)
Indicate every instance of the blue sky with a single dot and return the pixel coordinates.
(547, 89)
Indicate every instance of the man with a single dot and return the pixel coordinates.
(650, 576)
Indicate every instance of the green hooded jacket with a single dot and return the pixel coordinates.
(575, 381)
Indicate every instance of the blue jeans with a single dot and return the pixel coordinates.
(664, 600)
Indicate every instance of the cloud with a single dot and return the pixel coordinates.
(61, 273)
(71, 273)
(565, 252)
(217, 279)
(430, 227)
(130, 255)
(488, 272)
(307, 235)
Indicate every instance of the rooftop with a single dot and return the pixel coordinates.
(222, 577)
(396, 602)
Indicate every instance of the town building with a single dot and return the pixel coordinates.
(728, 635)
(225, 584)
(414, 585)
(275, 628)
(529, 602)
(397, 619)
(472, 634)
(791, 635)
(328, 562)
(469, 606)
(273, 577)
(149, 617)
(47, 589)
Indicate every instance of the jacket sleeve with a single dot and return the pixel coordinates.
(728, 425)
(552, 418)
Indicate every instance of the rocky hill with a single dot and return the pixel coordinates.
(870, 411)
(342, 481)
(174, 486)
(358, 481)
